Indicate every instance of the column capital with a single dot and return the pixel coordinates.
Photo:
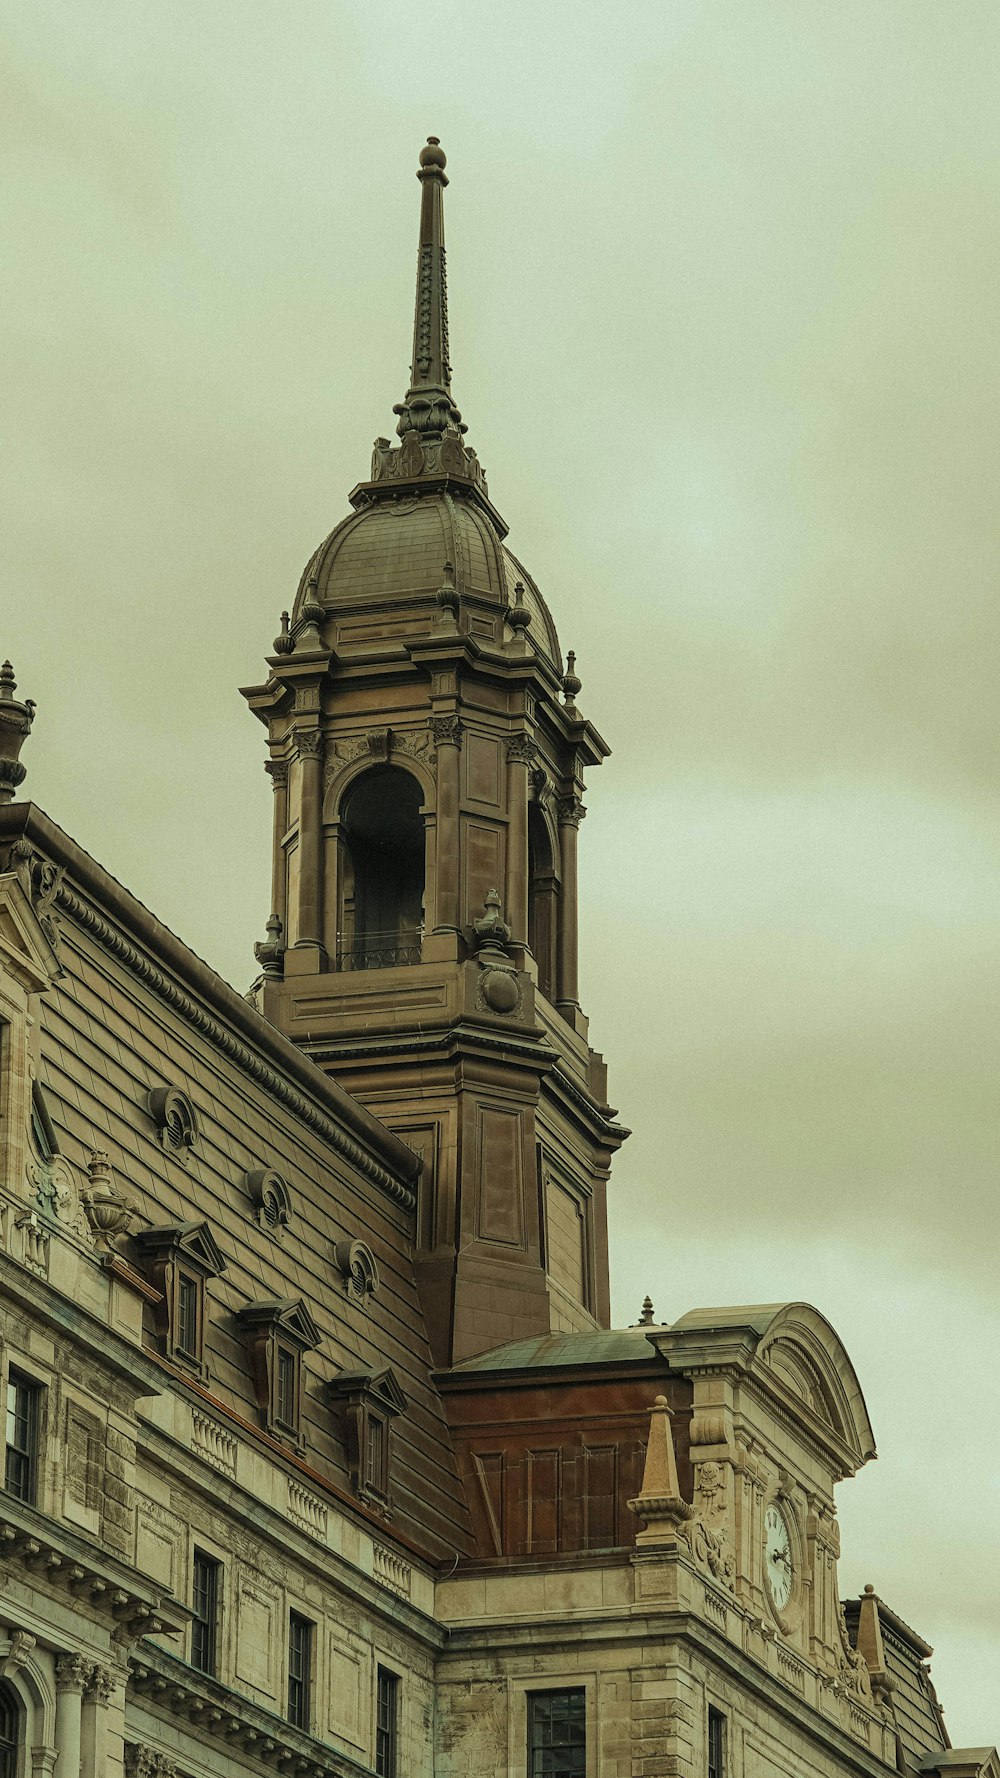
(570, 811)
(72, 1672)
(102, 1684)
(521, 750)
(309, 742)
(277, 771)
(447, 730)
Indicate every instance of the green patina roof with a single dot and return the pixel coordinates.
(620, 1345)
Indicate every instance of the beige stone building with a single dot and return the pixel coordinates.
(321, 1457)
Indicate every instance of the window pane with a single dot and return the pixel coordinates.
(285, 1389)
(376, 1476)
(187, 1317)
(716, 1743)
(386, 1724)
(20, 1461)
(205, 1604)
(299, 1661)
(557, 1734)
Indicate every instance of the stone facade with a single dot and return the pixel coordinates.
(321, 1457)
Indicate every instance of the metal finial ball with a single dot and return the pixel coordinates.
(433, 155)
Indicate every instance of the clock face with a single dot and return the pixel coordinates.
(778, 1556)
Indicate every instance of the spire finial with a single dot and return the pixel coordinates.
(428, 409)
(16, 719)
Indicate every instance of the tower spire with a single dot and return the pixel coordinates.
(428, 408)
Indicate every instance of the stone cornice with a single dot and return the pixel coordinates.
(100, 906)
(170, 1686)
(69, 1560)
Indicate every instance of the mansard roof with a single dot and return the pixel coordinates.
(134, 1007)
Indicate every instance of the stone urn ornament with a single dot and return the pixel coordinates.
(108, 1211)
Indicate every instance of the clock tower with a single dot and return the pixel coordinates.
(427, 756)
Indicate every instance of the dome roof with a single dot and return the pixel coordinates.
(377, 574)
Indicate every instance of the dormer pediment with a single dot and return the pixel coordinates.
(25, 951)
(287, 1317)
(380, 1388)
(192, 1243)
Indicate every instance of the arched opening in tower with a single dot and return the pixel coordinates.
(543, 892)
(383, 904)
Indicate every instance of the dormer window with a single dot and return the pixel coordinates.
(179, 1261)
(370, 1401)
(278, 1332)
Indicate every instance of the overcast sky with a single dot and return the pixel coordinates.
(724, 296)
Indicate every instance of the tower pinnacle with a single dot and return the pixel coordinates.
(428, 408)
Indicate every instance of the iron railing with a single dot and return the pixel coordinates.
(372, 954)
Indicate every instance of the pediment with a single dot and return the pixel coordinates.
(380, 1388)
(191, 1242)
(287, 1316)
(25, 951)
(793, 1355)
(790, 1363)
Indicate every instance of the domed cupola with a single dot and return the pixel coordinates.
(426, 502)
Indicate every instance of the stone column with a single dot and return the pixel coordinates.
(447, 733)
(103, 1690)
(72, 1672)
(310, 908)
(278, 772)
(571, 813)
(520, 759)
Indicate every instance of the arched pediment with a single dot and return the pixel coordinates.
(794, 1354)
(806, 1357)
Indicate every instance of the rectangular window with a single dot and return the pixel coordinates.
(205, 1604)
(299, 1664)
(376, 1467)
(716, 1743)
(386, 1723)
(21, 1463)
(188, 1293)
(286, 1389)
(557, 1734)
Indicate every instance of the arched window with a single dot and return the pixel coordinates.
(383, 901)
(11, 1720)
(542, 900)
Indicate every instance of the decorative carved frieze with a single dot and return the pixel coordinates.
(146, 1762)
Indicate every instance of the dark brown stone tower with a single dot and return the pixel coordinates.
(427, 757)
